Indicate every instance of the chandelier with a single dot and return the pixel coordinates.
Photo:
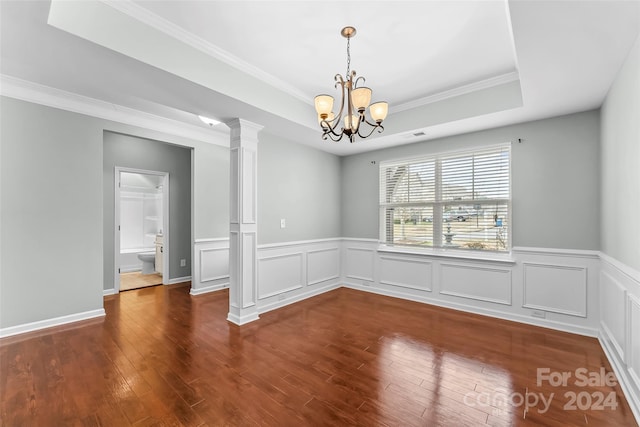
(357, 100)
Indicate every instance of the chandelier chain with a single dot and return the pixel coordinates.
(348, 57)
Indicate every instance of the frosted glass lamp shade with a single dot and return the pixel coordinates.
(379, 111)
(353, 123)
(324, 104)
(360, 98)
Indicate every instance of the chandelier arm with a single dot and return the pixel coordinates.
(374, 127)
(328, 135)
(331, 124)
(355, 82)
(339, 81)
(364, 119)
(331, 131)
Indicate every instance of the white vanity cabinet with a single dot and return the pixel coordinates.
(159, 252)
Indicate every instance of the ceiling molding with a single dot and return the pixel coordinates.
(149, 18)
(24, 90)
(512, 39)
(462, 90)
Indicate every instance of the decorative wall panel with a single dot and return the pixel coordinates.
(555, 288)
(476, 282)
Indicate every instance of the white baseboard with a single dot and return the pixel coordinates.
(296, 298)
(565, 327)
(179, 280)
(208, 289)
(107, 292)
(621, 374)
(49, 323)
(242, 320)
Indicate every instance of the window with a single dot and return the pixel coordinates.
(450, 200)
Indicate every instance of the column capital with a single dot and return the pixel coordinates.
(239, 126)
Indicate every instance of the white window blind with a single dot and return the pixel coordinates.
(451, 200)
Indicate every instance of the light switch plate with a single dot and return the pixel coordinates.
(283, 223)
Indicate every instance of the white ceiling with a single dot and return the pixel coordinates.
(445, 67)
(405, 49)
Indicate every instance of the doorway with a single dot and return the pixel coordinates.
(141, 228)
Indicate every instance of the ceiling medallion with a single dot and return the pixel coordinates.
(357, 100)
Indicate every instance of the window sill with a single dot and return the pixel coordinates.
(492, 257)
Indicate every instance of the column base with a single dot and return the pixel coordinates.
(244, 318)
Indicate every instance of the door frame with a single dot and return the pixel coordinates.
(165, 223)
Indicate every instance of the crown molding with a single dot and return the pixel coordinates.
(24, 90)
(149, 18)
(461, 90)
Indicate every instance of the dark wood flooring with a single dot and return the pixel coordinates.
(164, 358)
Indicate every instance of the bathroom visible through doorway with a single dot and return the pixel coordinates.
(141, 228)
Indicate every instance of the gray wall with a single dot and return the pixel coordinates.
(299, 184)
(620, 228)
(51, 223)
(210, 191)
(555, 180)
(51, 182)
(139, 153)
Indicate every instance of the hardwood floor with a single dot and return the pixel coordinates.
(137, 280)
(164, 358)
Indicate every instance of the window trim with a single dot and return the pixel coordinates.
(437, 225)
(505, 257)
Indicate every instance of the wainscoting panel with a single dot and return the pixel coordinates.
(234, 184)
(248, 187)
(476, 282)
(634, 340)
(620, 325)
(280, 273)
(323, 265)
(214, 264)
(613, 309)
(406, 273)
(360, 263)
(292, 271)
(211, 265)
(491, 284)
(249, 268)
(556, 288)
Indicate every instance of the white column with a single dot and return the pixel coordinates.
(243, 239)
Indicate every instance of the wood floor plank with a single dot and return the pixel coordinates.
(162, 357)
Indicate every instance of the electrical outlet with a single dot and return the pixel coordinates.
(539, 313)
(283, 223)
(183, 263)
